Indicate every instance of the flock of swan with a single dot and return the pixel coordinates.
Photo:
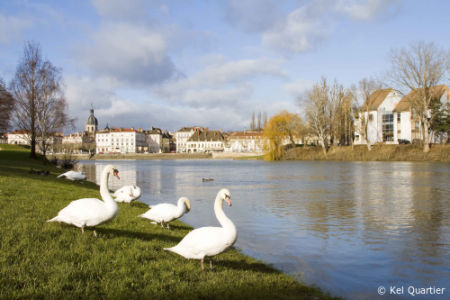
(197, 244)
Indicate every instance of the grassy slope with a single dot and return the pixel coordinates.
(52, 260)
(379, 152)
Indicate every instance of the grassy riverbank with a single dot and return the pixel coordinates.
(51, 260)
(438, 153)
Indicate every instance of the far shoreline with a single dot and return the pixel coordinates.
(357, 153)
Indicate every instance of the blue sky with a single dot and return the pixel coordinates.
(168, 64)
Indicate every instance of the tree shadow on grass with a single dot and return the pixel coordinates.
(137, 235)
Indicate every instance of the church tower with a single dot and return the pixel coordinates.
(91, 124)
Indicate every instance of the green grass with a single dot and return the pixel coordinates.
(379, 152)
(52, 260)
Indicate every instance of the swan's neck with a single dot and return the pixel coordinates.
(181, 208)
(104, 190)
(222, 218)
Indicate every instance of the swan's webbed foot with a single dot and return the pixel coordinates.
(168, 226)
(95, 233)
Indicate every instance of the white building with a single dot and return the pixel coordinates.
(245, 141)
(154, 140)
(18, 137)
(408, 124)
(378, 110)
(120, 140)
(206, 141)
(182, 136)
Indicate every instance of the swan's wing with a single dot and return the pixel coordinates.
(161, 212)
(82, 212)
(123, 190)
(204, 241)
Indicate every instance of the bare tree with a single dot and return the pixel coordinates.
(51, 106)
(419, 68)
(6, 107)
(40, 105)
(360, 111)
(318, 112)
(335, 97)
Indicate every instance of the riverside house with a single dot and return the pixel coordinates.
(378, 110)
(206, 141)
(408, 124)
(120, 140)
(245, 141)
(183, 135)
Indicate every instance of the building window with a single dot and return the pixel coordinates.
(388, 127)
(398, 117)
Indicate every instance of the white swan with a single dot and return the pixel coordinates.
(209, 241)
(127, 193)
(166, 212)
(90, 212)
(73, 175)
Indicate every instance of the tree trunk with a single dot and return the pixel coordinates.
(33, 146)
(324, 147)
(426, 137)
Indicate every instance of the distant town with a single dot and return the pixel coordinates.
(111, 140)
(386, 117)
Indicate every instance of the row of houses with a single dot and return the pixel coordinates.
(155, 140)
(130, 140)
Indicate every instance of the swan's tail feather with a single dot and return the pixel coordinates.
(59, 176)
(55, 219)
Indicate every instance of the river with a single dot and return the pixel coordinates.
(346, 227)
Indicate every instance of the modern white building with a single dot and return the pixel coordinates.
(120, 140)
(183, 135)
(378, 111)
(205, 141)
(408, 124)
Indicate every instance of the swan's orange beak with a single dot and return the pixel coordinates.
(227, 200)
(116, 173)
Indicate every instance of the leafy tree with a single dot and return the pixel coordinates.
(280, 128)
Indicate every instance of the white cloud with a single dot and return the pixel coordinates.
(300, 31)
(298, 87)
(303, 28)
(367, 10)
(119, 9)
(252, 15)
(11, 28)
(132, 54)
(220, 83)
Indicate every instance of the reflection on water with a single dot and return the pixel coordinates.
(346, 227)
